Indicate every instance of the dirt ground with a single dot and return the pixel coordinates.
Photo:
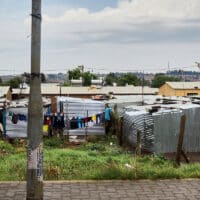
(193, 156)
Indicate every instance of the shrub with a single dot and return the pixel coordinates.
(53, 142)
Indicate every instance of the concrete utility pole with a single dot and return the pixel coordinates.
(198, 65)
(142, 88)
(81, 67)
(35, 112)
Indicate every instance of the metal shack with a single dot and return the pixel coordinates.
(82, 116)
(160, 130)
(16, 122)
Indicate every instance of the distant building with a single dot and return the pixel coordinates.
(180, 89)
(4, 90)
(53, 78)
(55, 89)
(76, 82)
(97, 82)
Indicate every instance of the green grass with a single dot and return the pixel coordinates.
(6, 148)
(96, 161)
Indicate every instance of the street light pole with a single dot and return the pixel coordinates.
(35, 112)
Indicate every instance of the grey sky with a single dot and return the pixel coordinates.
(106, 35)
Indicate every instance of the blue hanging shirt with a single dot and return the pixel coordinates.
(4, 120)
(107, 113)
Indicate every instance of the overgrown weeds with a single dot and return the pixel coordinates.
(94, 160)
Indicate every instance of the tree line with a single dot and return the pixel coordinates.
(20, 79)
(120, 79)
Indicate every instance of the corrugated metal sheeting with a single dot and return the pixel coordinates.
(139, 121)
(192, 130)
(80, 107)
(166, 131)
(19, 128)
(162, 131)
(83, 108)
(72, 107)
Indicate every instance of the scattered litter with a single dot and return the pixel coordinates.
(129, 166)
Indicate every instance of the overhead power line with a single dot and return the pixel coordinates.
(104, 69)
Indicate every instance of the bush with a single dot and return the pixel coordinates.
(53, 142)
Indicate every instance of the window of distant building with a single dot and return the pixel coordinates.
(192, 94)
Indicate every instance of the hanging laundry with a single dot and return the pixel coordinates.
(86, 120)
(1, 129)
(10, 113)
(47, 120)
(73, 123)
(102, 117)
(1, 116)
(79, 124)
(60, 121)
(45, 128)
(98, 119)
(15, 118)
(22, 117)
(94, 118)
(4, 120)
(82, 122)
(48, 112)
(55, 121)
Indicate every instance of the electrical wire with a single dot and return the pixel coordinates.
(96, 69)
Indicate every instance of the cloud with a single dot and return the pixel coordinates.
(131, 21)
(120, 35)
(162, 9)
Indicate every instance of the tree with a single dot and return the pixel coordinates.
(75, 73)
(1, 80)
(122, 79)
(14, 82)
(110, 79)
(88, 77)
(26, 77)
(43, 78)
(129, 79)
(160, 79)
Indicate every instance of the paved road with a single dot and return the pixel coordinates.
(106, 190)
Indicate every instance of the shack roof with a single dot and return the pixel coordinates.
(56, 88)
(3, 90)
(109, 90)
(184, 85)
(163, 108)
(78, 100)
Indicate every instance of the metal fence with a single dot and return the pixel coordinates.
(160, 130)
(142, 122)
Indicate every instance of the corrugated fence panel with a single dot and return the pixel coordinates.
(161, 131)
(192, 130)
(166, 130)
(142, 123)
